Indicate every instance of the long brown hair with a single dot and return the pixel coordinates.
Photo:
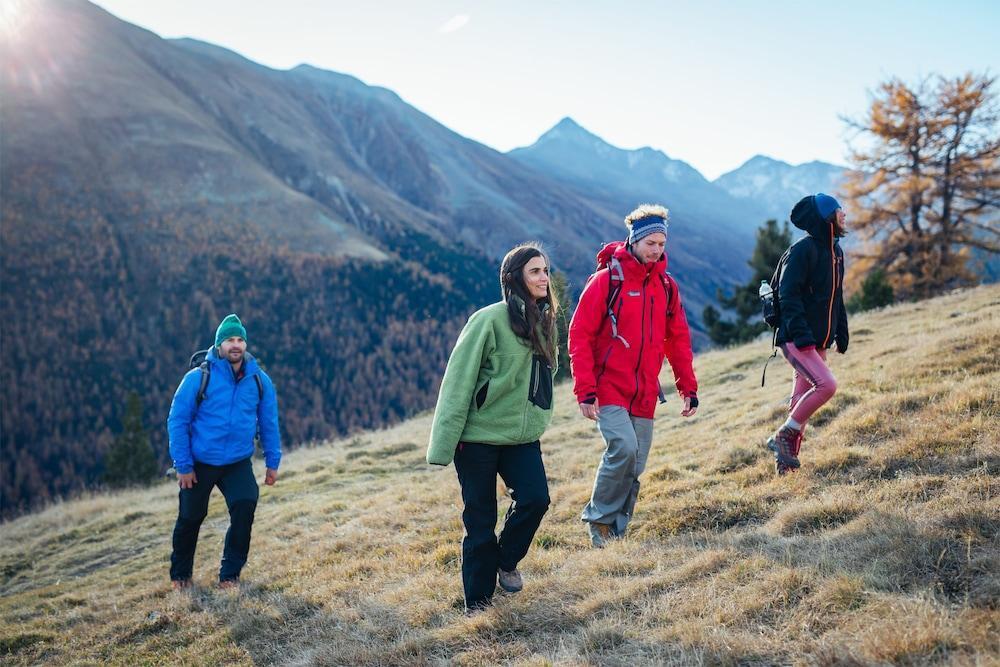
(526, 324)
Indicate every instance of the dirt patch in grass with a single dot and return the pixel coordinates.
(663, 473)
(684, 515)
(815, 517)
(18, 643)
(739, 458)
(401, 448)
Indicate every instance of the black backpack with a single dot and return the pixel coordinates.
(200, 360)
(770, 303)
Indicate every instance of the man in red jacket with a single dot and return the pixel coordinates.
(629, 317)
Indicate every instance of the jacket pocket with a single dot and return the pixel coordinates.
(481, 395)
(540, 387)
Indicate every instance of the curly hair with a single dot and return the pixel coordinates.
(646, 210)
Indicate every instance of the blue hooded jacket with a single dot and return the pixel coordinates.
(221, 430)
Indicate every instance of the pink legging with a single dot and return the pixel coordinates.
(812, 382)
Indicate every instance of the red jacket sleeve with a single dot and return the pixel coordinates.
(677, 348)
(583, 330)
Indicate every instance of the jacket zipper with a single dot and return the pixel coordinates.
(833, 289)
(652, 309)
(642, 344)
(538, 373)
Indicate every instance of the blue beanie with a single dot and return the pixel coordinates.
(230, 326)
(646, 226)
(826, 205)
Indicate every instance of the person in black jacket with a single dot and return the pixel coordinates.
(813, 318)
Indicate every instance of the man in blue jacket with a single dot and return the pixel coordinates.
(211, 434)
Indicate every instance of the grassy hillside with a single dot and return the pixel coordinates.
(885, 548)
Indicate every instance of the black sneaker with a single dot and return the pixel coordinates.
(477, 608)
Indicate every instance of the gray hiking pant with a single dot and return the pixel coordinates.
(616, 487)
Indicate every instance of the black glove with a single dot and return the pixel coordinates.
(842, 345)
(694, 401)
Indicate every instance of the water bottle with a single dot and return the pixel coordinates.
(768, 307)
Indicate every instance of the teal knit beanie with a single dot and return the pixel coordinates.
(231, 326)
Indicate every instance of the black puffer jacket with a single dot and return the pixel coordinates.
(810, 287)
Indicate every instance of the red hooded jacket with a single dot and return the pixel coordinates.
(625, 371)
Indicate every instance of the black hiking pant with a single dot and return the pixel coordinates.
(239, 488)
(520, 467)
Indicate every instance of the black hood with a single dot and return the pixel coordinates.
(805, 216)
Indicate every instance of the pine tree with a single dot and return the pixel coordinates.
(926, 185)
(131, 460)
(772, 241)
(561, 287)
(875, 292)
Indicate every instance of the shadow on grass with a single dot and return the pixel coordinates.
(955, 557)
(274, 627)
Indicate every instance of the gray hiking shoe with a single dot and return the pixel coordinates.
(510, 581)
(600, 534)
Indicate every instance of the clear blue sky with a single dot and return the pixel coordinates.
(711, 83)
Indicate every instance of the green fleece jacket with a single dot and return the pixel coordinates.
(495, 390)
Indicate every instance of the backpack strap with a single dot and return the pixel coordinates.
(670, 287)
(774, 353)
(206, 375)
(616, 278)
(260, 387)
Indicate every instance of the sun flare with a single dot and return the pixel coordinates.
(13, 16)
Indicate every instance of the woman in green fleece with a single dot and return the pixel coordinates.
(494, 405)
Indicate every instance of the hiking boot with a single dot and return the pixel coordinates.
(798, 441)
(600, 534)
(510, 581)
(795, 448)
(181, 584)
(783, 469)
(784, 443)
(227, 584)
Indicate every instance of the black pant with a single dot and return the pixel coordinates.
(240, 491)
(521, 468)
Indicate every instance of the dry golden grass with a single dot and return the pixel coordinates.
(884, 549)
